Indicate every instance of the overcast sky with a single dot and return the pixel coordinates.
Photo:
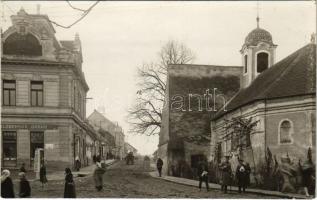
(117, 37)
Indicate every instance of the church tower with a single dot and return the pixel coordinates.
(258, 54)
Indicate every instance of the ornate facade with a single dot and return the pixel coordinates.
(43, 96)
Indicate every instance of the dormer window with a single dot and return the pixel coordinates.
(262, 62)
(18, 44)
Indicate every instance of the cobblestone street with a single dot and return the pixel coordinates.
(130, 181)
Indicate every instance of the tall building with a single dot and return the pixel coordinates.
(43, 95)
(193, 95)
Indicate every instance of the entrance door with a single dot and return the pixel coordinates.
(37, 141)
(196, 159)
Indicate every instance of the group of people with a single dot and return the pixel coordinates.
(7, 187)
(242, 174)
(7, 190)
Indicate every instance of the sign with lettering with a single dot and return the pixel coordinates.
(28, 126)
(49, 146)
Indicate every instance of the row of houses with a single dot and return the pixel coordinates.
(44, 96)
(202, 100)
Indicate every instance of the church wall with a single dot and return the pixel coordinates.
(300, 112)
(253, 155)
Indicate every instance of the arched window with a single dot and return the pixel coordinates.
(18, 44)
(285, 132)
(262, 62)
(245, 63)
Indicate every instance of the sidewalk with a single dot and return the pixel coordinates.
(60, 175)
(194, 183)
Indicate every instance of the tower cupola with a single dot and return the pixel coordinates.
(258, 54)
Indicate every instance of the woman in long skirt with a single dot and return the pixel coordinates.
(69, 191)
(43, 178)
(6, 185)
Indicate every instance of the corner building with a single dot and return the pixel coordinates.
(43, 95)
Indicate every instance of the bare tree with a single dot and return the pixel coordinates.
(145, 116)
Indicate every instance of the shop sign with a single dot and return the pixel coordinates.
(28, 126)
(49, 146)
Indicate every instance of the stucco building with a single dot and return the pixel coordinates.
(97, 119)
(193, 95)
(280, 96)
(129, 148)
(43, 95)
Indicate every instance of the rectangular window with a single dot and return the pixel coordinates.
(246, 64)
(9, 148)
(36, 93)
(37, 141)
(9, 93)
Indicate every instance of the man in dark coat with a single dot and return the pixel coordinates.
(69, 190)
(25, 189)
(203, 175)
(159, 165)
(242, 175)
(6, 185)
(43, 178)
(225, 168)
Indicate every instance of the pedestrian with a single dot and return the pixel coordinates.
(77, 163)
(308, 176)
(248, 170)
(6, 185)
(242, 175)
(225, 168)
(203, 175)
(69, 190)
(43, 178)
(25, 189)
(98, 175)
(22, 168)
(159, 165)
(94, 158)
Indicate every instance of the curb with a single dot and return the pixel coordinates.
(281, 195)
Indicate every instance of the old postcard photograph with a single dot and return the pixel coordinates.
(158, 99)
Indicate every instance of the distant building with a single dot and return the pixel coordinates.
(129, 148)
(99, 120)
(43, 95)
(107, 143)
